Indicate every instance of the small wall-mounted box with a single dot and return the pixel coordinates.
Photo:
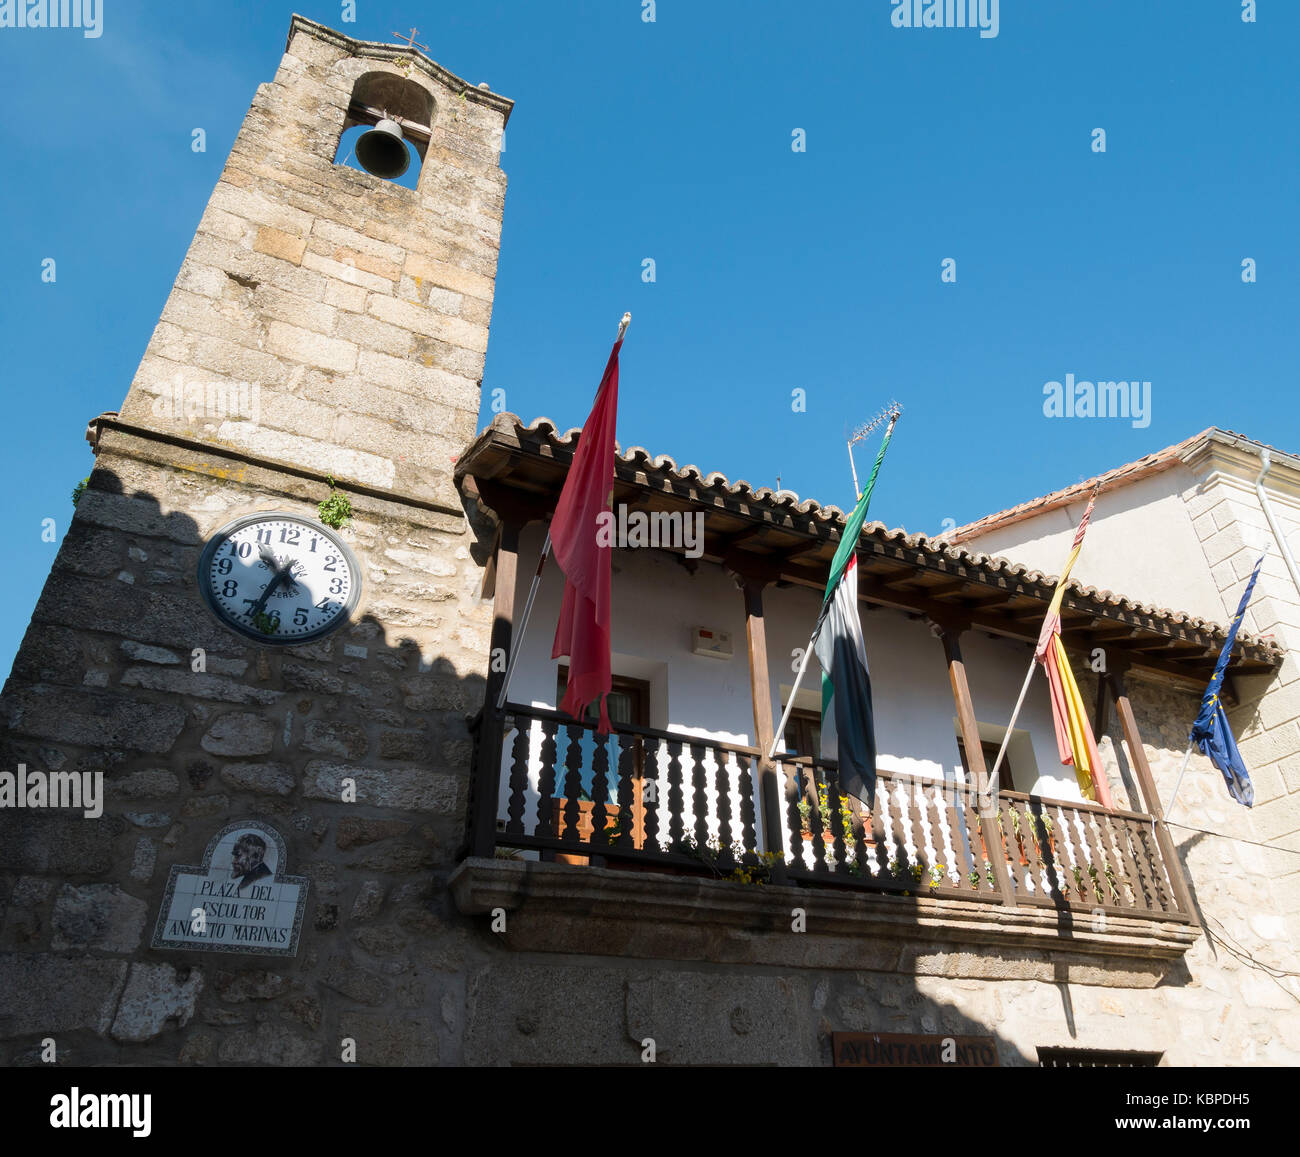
(714, 644)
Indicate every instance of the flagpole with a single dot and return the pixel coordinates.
(1033, 659)
(1006, 739)
(517, 641)
(893, 412)
(1169, 811)
(803, 666)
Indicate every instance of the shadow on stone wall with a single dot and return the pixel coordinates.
(103, 683)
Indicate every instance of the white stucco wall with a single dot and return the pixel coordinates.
(1141, 543)
(657, 602)
(1188, 539)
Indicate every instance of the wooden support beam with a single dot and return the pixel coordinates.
(950, 632)
(941, 590)
(760, 688)
(731, 541)
(365, 114)
(510, 504)
(1114, 678)
(1100, 721)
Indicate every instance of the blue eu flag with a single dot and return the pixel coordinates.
(1211, 732)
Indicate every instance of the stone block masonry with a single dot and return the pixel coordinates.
(107, 683)
(1233, 532)
(323, 322)
(359, 308)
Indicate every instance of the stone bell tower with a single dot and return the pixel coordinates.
(327, 327)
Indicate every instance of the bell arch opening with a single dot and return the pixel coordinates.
(383, 97)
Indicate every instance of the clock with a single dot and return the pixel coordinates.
(278, 578)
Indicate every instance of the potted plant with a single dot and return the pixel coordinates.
(1041, 828)
(1002, 828)
(847, 818)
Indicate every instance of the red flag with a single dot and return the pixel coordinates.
(583, 630)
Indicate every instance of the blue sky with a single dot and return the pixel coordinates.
(775, 270)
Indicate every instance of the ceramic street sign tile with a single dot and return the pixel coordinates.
(238, 900)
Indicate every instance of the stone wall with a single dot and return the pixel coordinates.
(104, 682)
(1234, 532)
(1229, 1008)
(324, 323)
(358, 308)
(385, 959)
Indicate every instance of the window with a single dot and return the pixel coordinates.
(1006, 774)
(627, 702)
(803, 734)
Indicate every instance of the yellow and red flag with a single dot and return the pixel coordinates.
(1074, 738)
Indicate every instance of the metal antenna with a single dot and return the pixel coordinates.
(890, 414)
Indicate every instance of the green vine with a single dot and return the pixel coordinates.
(336, 510)
(80, 489)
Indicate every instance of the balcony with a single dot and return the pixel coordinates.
(663, 829)
(669, 845)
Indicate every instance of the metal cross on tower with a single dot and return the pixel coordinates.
(411, 42)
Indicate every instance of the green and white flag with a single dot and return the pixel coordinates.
(848, 725)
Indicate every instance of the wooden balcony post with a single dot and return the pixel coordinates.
(760, 688)
(1114, 679)
(487, 773)
(950, 632)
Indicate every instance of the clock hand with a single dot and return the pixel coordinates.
(257, 607)
(286, 571)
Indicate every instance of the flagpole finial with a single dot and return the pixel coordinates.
(623, 324)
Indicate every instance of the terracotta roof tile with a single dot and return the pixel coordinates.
(834, 518)
(1144, 467)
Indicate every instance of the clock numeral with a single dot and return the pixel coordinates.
(324, 605)
(314, 541)
(290, 535)
(330, 563)
(300, 617)
(264, 535)
(224, 566)
(229, 588)
(243, 549)
(336, 586)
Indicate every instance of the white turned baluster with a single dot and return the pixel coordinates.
(905, 812)
(923, 805)
(889, 852)
(945, 830)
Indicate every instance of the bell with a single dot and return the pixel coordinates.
(382, 152)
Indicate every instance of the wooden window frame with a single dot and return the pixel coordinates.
(638, 690)
(1006, 774)
(801, 720)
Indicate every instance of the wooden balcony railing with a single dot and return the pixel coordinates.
(924, 837)
(656, 800)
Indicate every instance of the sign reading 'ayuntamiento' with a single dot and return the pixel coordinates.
(238, 900)
(900, 1050)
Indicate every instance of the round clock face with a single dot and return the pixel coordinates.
(279, 579)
